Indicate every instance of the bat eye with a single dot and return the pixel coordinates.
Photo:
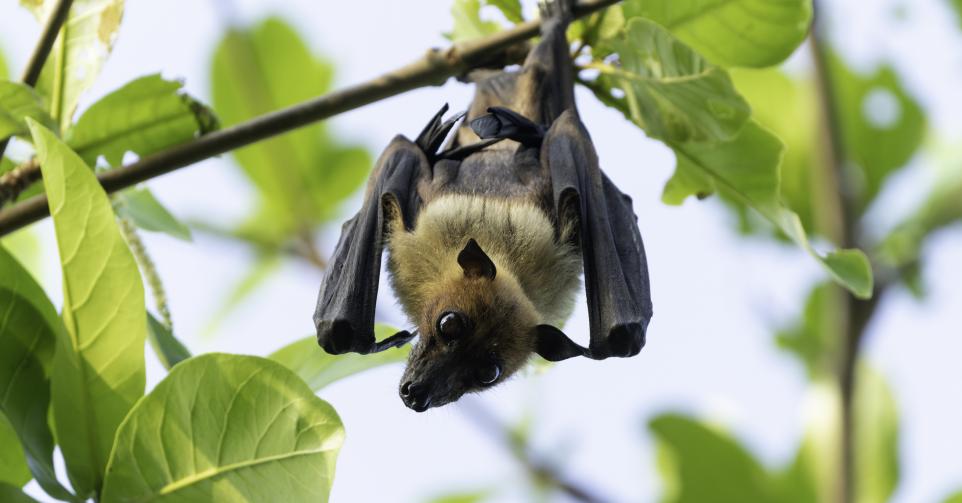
(451, 325)
(489, 373)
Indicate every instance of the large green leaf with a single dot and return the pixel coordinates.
(146, 212)
(882, 126)
(170, 351)
(672, 92)
(732, 32)
(13, 464)
(701, 464)
(29, 329)
(510, 8)
(144, 116)
(226, 428)
(955, 497)
(98, 370)
(468, 24)
(17, 102)
(876, 438)
(303, 176)
(318, 369)
(746, 170)
(78, 53)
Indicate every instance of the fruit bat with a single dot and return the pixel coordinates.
(487, 238)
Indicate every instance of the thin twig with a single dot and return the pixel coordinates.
(40, 53)
(15, 181)
(432, 69)
(539, 470)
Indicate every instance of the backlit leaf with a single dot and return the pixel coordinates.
(98, 370)
(13, 464)
(318, 369)
(468, 24)
(17, 102)
(146, 212)
(732, 32)
(169, 350)
(226, 428)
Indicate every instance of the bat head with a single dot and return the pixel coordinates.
(478, 330)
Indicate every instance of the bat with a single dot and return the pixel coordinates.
(488, 237)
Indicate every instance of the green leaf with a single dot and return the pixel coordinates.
(29, 329)
(24, 245)
(144, 116)
(4, 73)
(13, 464)
(876, 438)
(702, 464)
(463, 497)
(301, 177)
(170, 351)
(598, 30)
(956, 497)
(318, 369)
(468, 24)
(11, 494)
(957, 4)
(815, 337)
(746, 170)
(732, 32)
(670, 91)
(79, 52)
(510, 8)
(146, 212)
(226, 428)
(17, 102)
(98, 370)
(881, 125)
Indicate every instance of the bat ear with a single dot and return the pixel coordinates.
(475, 262)
(553, 345)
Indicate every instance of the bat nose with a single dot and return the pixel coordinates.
(415, 397)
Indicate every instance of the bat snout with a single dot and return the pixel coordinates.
(416, 397)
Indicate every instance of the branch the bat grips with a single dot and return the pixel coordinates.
(487, 238)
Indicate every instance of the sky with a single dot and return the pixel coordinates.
(717, 297)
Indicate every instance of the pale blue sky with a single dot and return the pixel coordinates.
(716, 296)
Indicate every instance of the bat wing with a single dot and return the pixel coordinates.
(345, 306)
(615, 268)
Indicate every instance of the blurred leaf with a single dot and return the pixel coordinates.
(11, 494)
(226, 428)
(253, 277)
(468, 24)
(702, 464)
(465, 497)
(303, 176)
(98, 370)
(17, 102)
(876, 438)
(4, 73)
(957, 4)
(902, 248)
(144, 116)
(84, 43)
(510, 8)
(13, 464)
(795, 484)
(598, 30)
(817, 466)
(318, 369)
(146, 212)
(787, 107)
(956, 497)
(670, 91)
(732, 32)
(815, 337)
(169, 350)
(881, 125)
(746, 170)
(29, 329)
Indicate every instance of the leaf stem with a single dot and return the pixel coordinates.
(433, 68)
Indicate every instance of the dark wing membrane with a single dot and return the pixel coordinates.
(345, 306)
(616, 271)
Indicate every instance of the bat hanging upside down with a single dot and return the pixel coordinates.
(488, 237)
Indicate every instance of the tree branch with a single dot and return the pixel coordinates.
(35, 65)
(433, 68)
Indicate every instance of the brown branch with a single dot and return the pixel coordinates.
(15, 181)
(40, 53)
(432, 69)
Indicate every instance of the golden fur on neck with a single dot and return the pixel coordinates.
(514, 233)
